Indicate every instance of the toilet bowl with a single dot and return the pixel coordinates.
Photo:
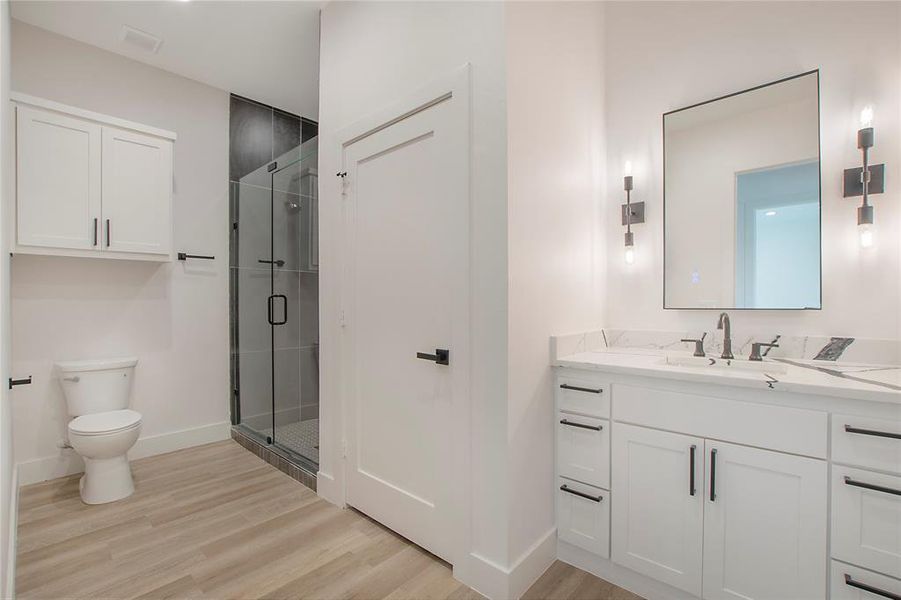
(103, 428)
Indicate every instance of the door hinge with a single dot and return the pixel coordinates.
(343, 448)
(342, 320)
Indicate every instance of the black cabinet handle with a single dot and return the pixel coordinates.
(566, 386)
(14, 382)
(885, 434)
(95, 231)
(270, 310)
(568, 490)
(582, 425)
(872, 486)
(441, 356)
(691, 470)
(186, 256)
(869, 588)
(713, 475)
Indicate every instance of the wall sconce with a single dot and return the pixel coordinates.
(865, 180)
(631, 213)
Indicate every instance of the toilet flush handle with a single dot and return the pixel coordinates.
(74, 378)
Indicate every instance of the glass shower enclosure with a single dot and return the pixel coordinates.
(275, 305)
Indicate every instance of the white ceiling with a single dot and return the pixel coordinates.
(267, 51)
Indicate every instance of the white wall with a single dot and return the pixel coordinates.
(8, 487)
(555, 149)
(173, 317)
(373, 54)
(662, 56)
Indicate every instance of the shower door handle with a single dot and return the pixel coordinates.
(270, 310)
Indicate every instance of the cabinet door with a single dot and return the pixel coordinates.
(764, 524)
(58, 180)
(137, 192)
(657, 513)
(583, 449)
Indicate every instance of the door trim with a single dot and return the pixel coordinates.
(455, 86)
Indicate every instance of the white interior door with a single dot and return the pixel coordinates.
(137, 192)
(406, 190)
(58, 180)
(657, 510)
(764, 525)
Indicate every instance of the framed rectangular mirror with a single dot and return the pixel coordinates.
(742, 200)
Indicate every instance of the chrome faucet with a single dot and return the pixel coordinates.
(724, 324)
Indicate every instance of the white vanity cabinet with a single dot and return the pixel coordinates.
(90, 185)
(717, 492)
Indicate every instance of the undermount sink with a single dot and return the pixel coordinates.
(715, 362)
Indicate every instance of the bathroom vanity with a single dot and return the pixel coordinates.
(680, 477)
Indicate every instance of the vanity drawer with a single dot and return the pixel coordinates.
(866, 519)
(851, 583)
(583, 449)
(866, 442)
(583, 394)
(583, 516)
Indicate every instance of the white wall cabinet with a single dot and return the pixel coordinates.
(91, 185)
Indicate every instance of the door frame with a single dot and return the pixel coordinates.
(455, 86)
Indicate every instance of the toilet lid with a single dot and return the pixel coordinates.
(105, 422)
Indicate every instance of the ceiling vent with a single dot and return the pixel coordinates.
(140, 39)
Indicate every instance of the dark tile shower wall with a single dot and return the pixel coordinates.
(258, 135)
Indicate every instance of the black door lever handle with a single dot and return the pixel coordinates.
(441, 357)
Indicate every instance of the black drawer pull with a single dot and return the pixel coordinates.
(566, 386)
(568, 490)
(885, 434)
(872, 486)
(869, 588)
(582, 425)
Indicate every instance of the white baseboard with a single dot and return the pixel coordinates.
(67, 462)
(625, 578)
(10, 591)
(509, 583)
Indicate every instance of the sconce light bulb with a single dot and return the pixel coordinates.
(630, 255)
(866, 235)
(866, 117)
(627, 169)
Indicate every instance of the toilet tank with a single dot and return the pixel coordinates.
(93, 386)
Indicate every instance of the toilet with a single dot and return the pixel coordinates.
(103, 428)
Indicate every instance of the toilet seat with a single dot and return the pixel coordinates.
(104, 423)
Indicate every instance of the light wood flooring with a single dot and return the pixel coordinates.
(216, 521)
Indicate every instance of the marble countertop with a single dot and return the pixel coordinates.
(844, 380)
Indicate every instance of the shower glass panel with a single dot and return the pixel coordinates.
(275, 279)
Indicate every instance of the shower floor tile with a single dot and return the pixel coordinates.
(301, 437)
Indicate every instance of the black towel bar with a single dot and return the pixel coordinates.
(183, 256)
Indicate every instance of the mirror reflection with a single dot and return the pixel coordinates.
(742, 200)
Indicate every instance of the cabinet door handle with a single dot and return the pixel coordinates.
(107, 233)
(691, 470)
(713, 475)
(869, 588)
(566, 386)
(95, 231)
(569, 490)
(874, 432)
(872, 486)
(582, 425)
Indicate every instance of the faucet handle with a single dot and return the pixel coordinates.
(699, 346)
(755, 349)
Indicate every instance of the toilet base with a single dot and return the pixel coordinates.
(106, 480)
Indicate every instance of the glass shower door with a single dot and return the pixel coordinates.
(295, 306)
(275, 260)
